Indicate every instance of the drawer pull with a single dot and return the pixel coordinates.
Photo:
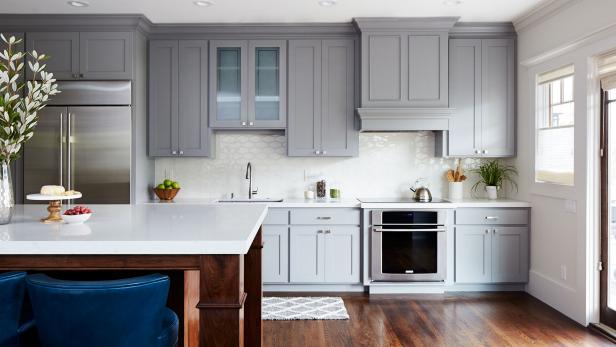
(491, 218)
(328, 231)
(324, 218)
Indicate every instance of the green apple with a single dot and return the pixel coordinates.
(175, 185)
(169, 187)
(167, 182)
(160, 186)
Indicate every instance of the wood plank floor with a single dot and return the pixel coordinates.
(461, 319)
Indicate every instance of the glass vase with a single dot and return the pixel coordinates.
(7, 202)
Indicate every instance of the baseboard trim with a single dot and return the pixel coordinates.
(353, 288)
(604, 330)
(517, 287)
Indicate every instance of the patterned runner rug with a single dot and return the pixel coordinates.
(303, 307)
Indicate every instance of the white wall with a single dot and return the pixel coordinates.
(388, 163)
(563, 233)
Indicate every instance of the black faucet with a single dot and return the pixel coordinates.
(249, 178)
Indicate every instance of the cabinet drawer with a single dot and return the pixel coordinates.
(480, 216)
(317, 216)
(277, 216)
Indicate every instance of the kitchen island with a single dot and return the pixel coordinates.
(217, 248)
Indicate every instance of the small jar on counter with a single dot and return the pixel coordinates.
(335, 192)
(321, 189)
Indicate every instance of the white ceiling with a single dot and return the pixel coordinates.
(184, 11)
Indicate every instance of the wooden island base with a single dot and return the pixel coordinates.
(222, 293)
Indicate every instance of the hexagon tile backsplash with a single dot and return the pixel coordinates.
(387, 165)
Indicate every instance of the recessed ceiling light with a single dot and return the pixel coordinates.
(327, 3)
(79, 3)
(452, 2)
(204, 3)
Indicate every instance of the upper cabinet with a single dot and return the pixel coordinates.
(482, 95)
(404, 62)
(178, 82)
(85, 55)
(248, 86)
(322, 98)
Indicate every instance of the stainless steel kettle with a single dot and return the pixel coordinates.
(421, 193)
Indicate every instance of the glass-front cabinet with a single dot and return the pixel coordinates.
(248, 85)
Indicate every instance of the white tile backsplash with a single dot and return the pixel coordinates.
(387, 165)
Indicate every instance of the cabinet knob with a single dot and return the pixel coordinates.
(487, 231)
(174, 152)
(319, 231)
(80, 75)
(476, 151)
(317, 152)
(251, 123)
(484, 152)
(324, 152)
(75, 75)
(181, 152)
(243, 123)
(494, 231)
(328, 231)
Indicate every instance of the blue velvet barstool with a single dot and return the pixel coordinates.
(12, 293)
(127, 312)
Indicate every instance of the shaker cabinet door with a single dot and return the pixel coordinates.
(304, 128)
(306, 250)
(473, 254)
(339, 136)
(341, 254)
(194, 134)
(509, 254)
(267, 76)
(106, 55)
(62, 49)
(275, 254)
(497, 84)
(465, 97)
(163, 98)
(229, 83)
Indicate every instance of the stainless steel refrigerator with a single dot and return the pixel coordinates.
(82, 142)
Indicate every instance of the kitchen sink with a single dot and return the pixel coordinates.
(252, 200)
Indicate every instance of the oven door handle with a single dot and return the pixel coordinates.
(379, 230)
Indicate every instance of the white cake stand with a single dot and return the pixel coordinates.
(55, 205)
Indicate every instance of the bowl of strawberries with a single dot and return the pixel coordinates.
(77, 215)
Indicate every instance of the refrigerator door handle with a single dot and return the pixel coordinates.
(69, 161)
(61, 147)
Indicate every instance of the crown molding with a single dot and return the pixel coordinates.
(72, 22)
(405, 23)
(541, 12)
(482, 30)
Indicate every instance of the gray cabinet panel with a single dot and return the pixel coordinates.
(306, 255)
(509, 254)
(229, 83)
(427, 68)
(325, 216)
(304, 128)
(275, 253)
(267, 76)
(341, 254)
(383, 71)
(62, 49)
(338, 134)
(497, 116)
(473, 254)
(106, 55)
(163, 98)
(194, 134)
(492, 216)
(465, 97)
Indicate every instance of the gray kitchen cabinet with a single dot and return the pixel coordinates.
(510, 254)
(178, 118)
(249, 86)
(491, 253)
(404, 69)
(85, 55)
(275, 254)
(473, 257)
(62, 48)
(306, 264)
(482, 95)
(341, 254)
(105, 55)
(321, 98)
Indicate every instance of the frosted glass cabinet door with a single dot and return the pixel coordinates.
(267, 87)
(228, 64)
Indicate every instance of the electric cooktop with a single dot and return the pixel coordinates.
(399, 200)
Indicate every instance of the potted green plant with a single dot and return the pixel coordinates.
(20, 104)
(493, 175)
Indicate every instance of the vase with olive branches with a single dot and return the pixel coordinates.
(21, 101)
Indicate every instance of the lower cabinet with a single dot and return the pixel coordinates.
(491, 254)
(275, 254)
(324, 254)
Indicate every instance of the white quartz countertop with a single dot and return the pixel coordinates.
(137, 229)
(286, 203)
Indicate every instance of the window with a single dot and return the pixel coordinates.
(555, 124)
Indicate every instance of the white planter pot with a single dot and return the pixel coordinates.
(492, 192)
(456, 190)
